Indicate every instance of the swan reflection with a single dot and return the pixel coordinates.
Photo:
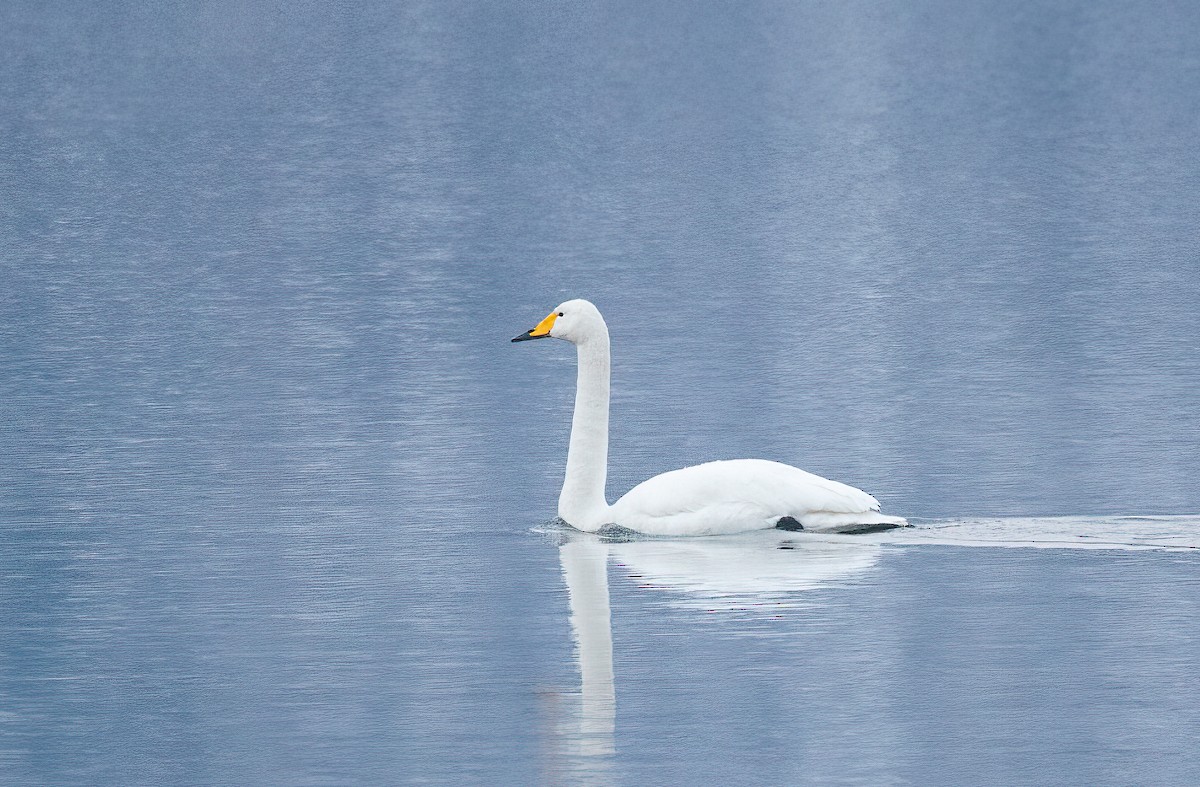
(584, 566)
(754, 572)
(751, 571)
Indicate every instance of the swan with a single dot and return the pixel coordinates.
(715, 498)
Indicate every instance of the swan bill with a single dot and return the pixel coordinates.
(539, 331)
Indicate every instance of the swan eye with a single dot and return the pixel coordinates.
(560, 314)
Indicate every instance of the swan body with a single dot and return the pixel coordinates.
(715, 498)
(735, 495)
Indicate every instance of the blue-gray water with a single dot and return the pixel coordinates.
(274, 486)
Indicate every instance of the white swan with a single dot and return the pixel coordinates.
(714, 498)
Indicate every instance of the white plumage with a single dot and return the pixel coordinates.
(743, 494)
(710, 499)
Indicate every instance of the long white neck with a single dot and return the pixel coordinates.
(582, 502)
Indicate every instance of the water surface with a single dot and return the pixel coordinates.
(275, 488)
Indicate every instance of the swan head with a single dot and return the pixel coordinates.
(577, 321)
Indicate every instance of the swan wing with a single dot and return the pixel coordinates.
(741, 494)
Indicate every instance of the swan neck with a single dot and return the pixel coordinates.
(582, 502)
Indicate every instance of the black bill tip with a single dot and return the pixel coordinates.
(528, 336)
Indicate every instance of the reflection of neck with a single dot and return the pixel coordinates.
(585, 569)
(582, 502)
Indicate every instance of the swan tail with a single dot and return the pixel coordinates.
(877, 527)
(837, 522)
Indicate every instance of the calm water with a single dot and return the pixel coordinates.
(276, 492)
